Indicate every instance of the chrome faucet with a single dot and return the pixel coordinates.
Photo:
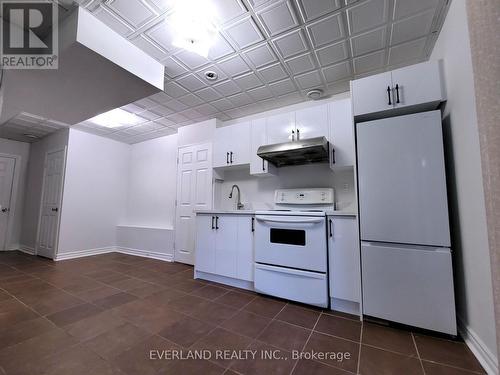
(239, 205)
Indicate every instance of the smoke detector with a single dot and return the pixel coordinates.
(315, 94)
(211, 75)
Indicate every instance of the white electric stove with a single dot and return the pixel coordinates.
(291, 246)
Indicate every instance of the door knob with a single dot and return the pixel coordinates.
(6, 209)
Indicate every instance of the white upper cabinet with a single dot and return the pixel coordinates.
(258, 137)
(370, 94)
(281, 128)
(341, 133)
(312, 122)
(417, 85)
(232, 146)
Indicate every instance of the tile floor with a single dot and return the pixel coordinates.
(105, 314)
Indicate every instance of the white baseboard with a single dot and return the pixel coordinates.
(113, 249)
(145, 253)
(488, 360)
(84, 253)
(27, 249)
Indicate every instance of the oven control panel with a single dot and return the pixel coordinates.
(304, 196)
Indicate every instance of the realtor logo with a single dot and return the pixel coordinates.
(29, 37)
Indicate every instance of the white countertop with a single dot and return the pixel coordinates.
(252, 212)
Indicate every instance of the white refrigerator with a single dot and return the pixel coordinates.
(407, 274)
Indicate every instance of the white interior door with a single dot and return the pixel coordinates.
(50, 211)
(194, 192)
(7, 166)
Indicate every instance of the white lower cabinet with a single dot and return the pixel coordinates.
(224, 245)
(344, 259)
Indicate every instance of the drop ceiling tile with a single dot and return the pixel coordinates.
(173, 68)
(337, 72)
(164, 122)
(162, 34)
(367, 15)
(206, 109)
(234, 66)
(327, 30)
(291, 44)
(260, 93)
(301, 64)
(228, 10)
(222, 116)
(175, 105)
(150, 115)
(370, 62)
(208, 94)
(222, 104)
(227, 88)
(177, 118)
(162, 5)
(113, 22)
(259, 3)
(164, 132)
(159, 97)
(221, 75)
(338, 87)
(333, 53)
(273, 73)
(191, 114)
(282, 87)
(244, 33)
(312, 9)
(248, 81)
(368, 42)
(190, 59)
(149, 47)
(403, 8)
(191, 82)
(412, 27)
(278, 17)
(409, 51)
(174, 90)
(145, 103)
(133, 108)
(220, 48)
(190, 100)
(240, 99)
(261, 55)
(134, 12)
(309, 80)
(161, 110)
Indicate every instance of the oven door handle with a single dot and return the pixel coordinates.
(293, 220)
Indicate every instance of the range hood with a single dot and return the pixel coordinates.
(306, 151)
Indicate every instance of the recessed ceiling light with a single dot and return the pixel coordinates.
(193, 23)
(32, 136)
(315, 94)
(211, 75)
(116, 118)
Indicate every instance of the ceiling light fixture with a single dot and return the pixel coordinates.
(211, 75)
(116, 118)
(31, 136)
(193, 22)
(315, 94)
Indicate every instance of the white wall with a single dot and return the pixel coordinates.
(152, 183)
(21, 150)
(34, 184)
(95, 192)
(258, 192)
(467, 208)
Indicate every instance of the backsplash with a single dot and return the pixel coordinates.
(258, 192)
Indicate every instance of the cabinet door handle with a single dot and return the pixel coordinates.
(227, 157)
(293, 135)
(231, 153)
(298, 134)
(216, 222)
(331, 228)
(389, 95)
(213, 226)
(263, 165)
(253, 224)
(397, 93)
